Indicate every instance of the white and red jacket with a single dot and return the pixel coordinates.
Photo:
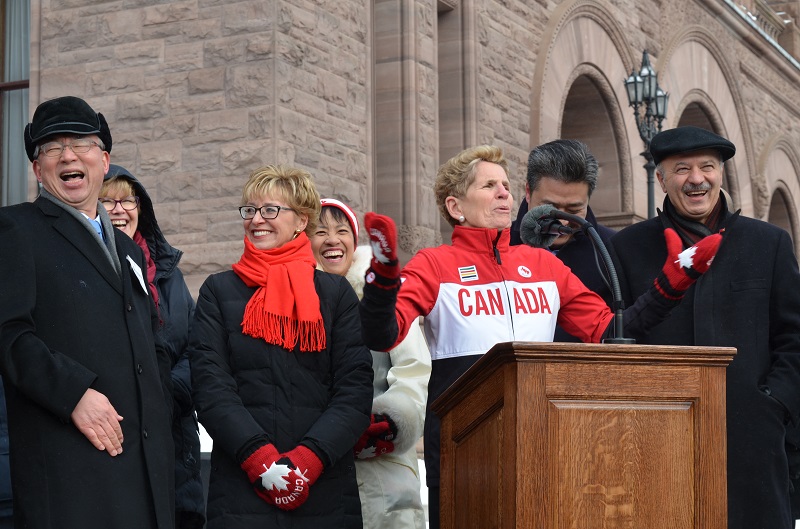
(480, 291)
(476, 293)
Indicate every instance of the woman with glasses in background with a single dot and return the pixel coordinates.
(130, 209)
(281, 379)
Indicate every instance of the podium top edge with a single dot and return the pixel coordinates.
(522, 348)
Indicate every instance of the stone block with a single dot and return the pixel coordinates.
(224, 51)
(254, 16)
(142, 105)
(242, 157)
(197, 104)
(206, 80)
(179, 187)
(114, 80)
(160, 156)
(174, 126)
(139, 53)
(249, 84)
(182, 12)
(123, 26)
(259, 47)
(332, 88)
(183, 57)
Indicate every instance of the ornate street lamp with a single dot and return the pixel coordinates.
(649, 104)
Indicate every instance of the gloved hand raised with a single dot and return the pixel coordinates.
(378, 438)
(384, 269)
(683, 267)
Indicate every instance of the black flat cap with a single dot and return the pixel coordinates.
(65, 115)
(686, 139)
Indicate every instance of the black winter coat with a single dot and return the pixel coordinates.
(748, 299)
(245, 388)
(69, 322)
(175, 310)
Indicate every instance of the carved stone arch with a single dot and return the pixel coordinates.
(584, 39)
(782, 212)
(779, 166)
(612, 155)
(693, 63)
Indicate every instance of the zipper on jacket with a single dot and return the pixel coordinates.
(494, 247)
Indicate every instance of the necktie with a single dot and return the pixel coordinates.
(96, 225)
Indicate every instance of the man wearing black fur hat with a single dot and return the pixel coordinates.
(89, 419)
(748, 299)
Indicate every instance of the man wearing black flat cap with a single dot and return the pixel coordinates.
(749, 299)
(89, 419)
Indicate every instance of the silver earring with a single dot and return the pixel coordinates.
(461, 218)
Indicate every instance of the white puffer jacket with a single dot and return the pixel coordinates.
(389, 485)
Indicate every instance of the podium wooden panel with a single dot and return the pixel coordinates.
(586, 436)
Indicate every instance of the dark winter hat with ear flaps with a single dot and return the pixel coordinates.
(65, 115)
(688, 139)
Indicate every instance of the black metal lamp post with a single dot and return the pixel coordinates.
(649, 104)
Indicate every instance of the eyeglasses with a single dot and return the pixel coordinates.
(267, 212)
(54, 148)
(127, 203)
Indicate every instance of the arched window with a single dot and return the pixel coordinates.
(15, 24)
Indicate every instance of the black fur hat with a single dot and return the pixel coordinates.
(65, 115)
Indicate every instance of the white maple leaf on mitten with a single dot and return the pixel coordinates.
(274, 478)
(367, 453)
(686, 257)
(377, 250)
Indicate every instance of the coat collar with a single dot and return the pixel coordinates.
(75, 231)
(482, 238)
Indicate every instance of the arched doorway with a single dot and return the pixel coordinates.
(573, 98)
(779, 211)
(586, 118)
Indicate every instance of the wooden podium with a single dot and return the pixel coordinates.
(586, 436)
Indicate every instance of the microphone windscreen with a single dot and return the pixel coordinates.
(543, 211)
(530, 230)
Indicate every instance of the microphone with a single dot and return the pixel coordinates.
(540, 226)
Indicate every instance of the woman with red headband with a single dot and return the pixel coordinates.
(386, 455)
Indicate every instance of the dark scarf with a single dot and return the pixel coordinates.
(285, 308)
(691, 231)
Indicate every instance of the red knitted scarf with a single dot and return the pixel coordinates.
(285, 308)
(151, 266)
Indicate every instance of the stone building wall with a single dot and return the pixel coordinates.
(371, 96)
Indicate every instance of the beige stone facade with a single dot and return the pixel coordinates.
(371, 96)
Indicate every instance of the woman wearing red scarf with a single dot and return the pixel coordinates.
(281, 379)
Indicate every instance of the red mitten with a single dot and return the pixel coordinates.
(258, 466)
(377, 439)
(384, 269)
(299, 467)
(683, 267)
